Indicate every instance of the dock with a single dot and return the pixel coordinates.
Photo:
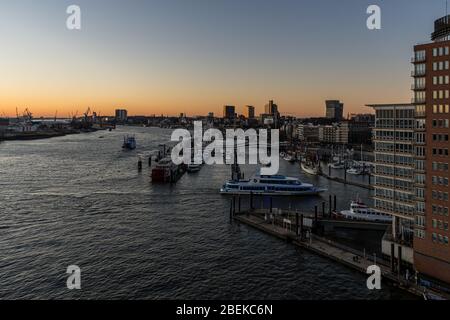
(346, 181)
(300, 232)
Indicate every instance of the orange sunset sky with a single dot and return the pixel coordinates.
(170, 57)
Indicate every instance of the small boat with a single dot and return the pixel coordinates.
(129, 142)
(359, 211)
(276, 185)
(193, 168)
(165, 171)
(355, 171)
(338, 165)
(310, 168)
(289, 158)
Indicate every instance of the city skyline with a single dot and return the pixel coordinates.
(172, 57)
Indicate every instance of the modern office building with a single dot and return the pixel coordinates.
(121, 115)
(431, 96)
(250, 112)
(308, 133)
(334, 110)
(394, 183)
(229, 112)
(412, 164)
(271, 109)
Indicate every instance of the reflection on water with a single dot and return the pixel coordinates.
(80, 200)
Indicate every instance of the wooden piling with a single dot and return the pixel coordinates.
(301, 226)
(392, 257)
(330, 205)
(239, 204)
(345, 173)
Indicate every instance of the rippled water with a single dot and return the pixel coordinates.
(80, 200)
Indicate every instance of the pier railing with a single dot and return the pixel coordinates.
(286, 220)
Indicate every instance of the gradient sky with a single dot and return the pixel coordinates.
(194, 56)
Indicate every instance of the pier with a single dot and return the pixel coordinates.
(300, 229)
(346, 181)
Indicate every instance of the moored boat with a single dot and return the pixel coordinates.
(338, 165)
(276, 185)
(355, 171)
(360, 211)
(289, 158)
(310, 168)
(165, 171)
(129, 142)
(193, 168)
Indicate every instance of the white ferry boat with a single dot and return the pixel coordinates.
(276, 185)
(359, 211)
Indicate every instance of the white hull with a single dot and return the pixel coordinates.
(349, 215)
(309, 170)
(354, 172)
(273, 193)
(337, 166)
(276, 185)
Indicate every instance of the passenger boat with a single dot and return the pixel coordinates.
(276, 185)
(359, 211)
(129, 142)
(164, 171)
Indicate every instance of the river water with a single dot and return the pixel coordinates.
(79, 200)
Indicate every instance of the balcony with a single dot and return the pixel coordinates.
(418, 100)
(418, 59)
(418, 87)
(418, 73)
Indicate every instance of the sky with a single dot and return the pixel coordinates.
(194, 56)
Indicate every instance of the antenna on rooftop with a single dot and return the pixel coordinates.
(446, 10)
